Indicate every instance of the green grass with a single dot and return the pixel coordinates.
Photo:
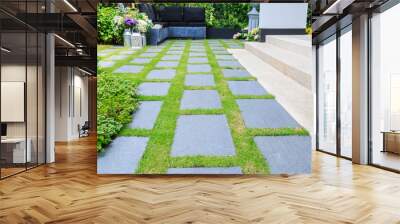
(156, 159)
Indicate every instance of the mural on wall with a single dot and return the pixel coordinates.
(178, 95)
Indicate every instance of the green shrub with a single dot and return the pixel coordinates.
(117, 99)
(107, 32)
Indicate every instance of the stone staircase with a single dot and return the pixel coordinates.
(289, 54)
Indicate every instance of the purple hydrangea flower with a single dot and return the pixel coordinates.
(130, 22)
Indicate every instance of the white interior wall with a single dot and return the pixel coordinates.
(70, 81)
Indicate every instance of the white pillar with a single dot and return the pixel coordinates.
(50, 100)
(360, 90)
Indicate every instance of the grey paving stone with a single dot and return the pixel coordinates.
(201, 50)
(235, 46)
(246, 88)
(154, 50)
(174, 52)
(221, 52)
(265, 113)
(207, 135)
(129, 69)
(179, 48)
(232, 64)
(286, 154)
(154, 88)
(122, 156)
(162, 74)
(117, 57)
(107, 51)
(146, 115)
(198, 60)
(206, 170)
(235, 73)
(171, 58)
(170, 64)
(148, 55)
(102, 54)
(191, 68)
(128, 52)
(224, 57)
(199, 80)
(106, 64)
(197, 54)
(141, 60)
(200, 99)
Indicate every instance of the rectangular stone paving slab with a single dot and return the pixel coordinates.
(148, 55)
(146, 115)
(128, 52)
(177, 48)
(203, 50)
(154, 50)
(198, 60)
(191, 68)
(197, 54)
(170, 64)
(141, 60)
(107, 51)
(206, 170)
(246, 88)
(117, 57)
(200, 99)
(232, 64)
(265, 113)
(286, 154)
(106, 64)
(154, 88)
(224, 57)
(129, 69)
(206, 135)
(122, 156)
(199, 80)
(218, 52)
(171, 58)
(235, 73)
(162, 74)
(171, 52)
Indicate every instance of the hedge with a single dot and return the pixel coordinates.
(117, 99)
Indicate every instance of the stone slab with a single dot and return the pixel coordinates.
(200, 99)
(286, 154)
(191, 68)
(106, 64)
(122, 156)
(197, 54)
(148, 55)
(162, 74)
(235, 73)
(224, 57)
(154, 88)
(174, 52)
(154, 50)
(198, 60)
(129, 69)
(146, 115)
(199, 80)
(141, 60)
(207, 135)
(117, 57)
(232, 64)
(265, 113)
(246, 88)
(171, 58)
(206, 170)
(168, 64)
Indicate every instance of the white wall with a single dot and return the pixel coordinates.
(70, 83)
(283, 15)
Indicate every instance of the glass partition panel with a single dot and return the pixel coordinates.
(327, 95)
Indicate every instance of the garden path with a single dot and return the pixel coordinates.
(201, 112)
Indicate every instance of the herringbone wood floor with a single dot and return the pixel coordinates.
(69, 191)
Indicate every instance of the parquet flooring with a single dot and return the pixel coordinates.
(69, 191)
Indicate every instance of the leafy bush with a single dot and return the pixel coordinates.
(117, 99)
(108, 33)
(221, 15)
(253, 35)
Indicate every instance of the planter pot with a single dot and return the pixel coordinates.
(127, 38)
(221, 33)
(136, 40)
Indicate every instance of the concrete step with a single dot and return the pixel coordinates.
(299, 44)
(295, 66)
